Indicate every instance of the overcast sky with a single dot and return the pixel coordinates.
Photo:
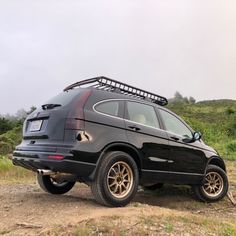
(159, 45)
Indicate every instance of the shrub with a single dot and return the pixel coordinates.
(9, 140)
(5, 148)
(229, 111)
(231, 146)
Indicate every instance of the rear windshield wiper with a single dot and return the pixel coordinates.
(50, 106)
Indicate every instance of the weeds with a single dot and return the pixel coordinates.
(169, 228)
(228, 230)
(153, 225)
(11, 173)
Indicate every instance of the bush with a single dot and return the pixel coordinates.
(231, 127)
(231, 146)
(229, 111)
(9, 140)
(5, 148)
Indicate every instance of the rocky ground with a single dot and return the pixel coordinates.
(26, 210)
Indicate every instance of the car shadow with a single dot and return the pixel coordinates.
(169, 196)
(177, 197)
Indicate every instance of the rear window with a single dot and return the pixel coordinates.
(109, 108)
(64, 98)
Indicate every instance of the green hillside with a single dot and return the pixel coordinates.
(215, 119)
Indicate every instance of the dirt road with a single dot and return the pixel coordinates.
(26, 210)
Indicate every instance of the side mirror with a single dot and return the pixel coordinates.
(197, 136)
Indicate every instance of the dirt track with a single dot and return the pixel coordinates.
(26, 210)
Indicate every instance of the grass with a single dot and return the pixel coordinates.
(231, 171)
(174, 218)
(169, 227)
(13, 174)
(228, 230)
(165, 224)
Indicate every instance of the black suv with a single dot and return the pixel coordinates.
(114, 137)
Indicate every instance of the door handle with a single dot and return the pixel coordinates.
(135, 128)
(174, 138)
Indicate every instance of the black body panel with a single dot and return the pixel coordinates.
(91, 133)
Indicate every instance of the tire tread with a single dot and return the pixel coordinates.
(46, 185)
(97, 187)
(202, 197)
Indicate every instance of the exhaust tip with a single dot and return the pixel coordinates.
(45, 172)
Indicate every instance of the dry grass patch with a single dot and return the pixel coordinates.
(14, 174)
(166, 224)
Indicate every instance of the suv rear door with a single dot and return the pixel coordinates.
(48, 122)
(143, 131)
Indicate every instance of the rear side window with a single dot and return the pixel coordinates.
(109, 108)
(142, 114)
(64, 98)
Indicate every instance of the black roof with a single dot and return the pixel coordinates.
(111, 85)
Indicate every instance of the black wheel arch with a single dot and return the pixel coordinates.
(119, 146)
(217, 161)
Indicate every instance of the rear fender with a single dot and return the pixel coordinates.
(124, 147)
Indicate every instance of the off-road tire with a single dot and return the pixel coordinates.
(103, 190)
(48, 185)
(201, 191)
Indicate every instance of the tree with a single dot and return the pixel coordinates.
(185, 100)
(5, 125)
(192, 100)
(21, 114)
(178, 96)
(32, 109)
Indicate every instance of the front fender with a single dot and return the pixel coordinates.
(218, 161)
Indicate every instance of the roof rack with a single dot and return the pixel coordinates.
(111, 85)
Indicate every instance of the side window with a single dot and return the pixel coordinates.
(109, 108)
(142, 114)
(174, 125)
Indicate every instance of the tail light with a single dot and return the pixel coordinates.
(72, 123)
(75, 119)
(56, 157)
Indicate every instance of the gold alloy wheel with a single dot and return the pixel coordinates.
(213, 185)
(120, 179)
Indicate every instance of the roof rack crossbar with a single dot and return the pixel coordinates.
(104, 83)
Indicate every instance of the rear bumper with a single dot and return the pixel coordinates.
(39, 160)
